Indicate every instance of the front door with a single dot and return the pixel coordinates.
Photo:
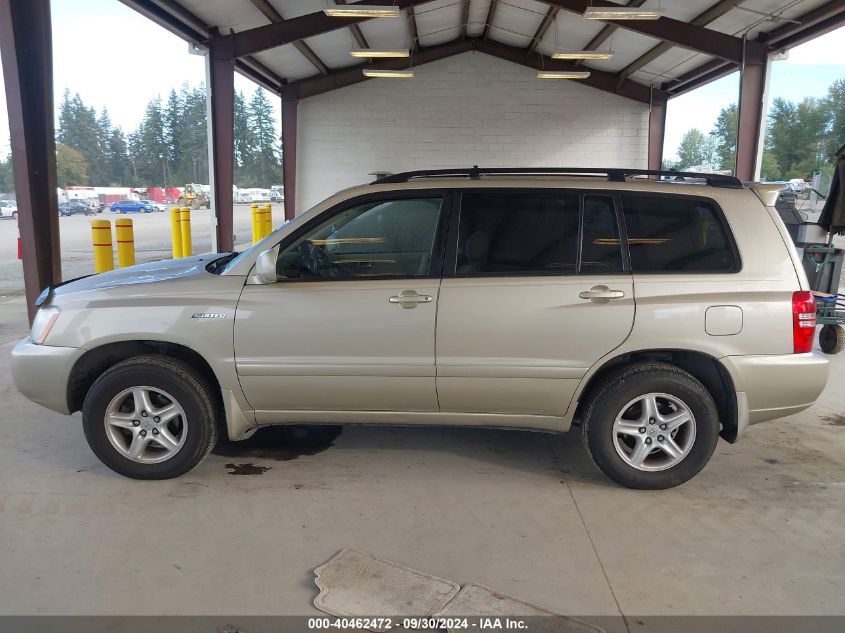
(349, 326)
(536, 293)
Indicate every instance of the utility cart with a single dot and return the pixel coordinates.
(823, 262)
(823, 265)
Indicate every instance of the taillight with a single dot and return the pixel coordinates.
(803, 321)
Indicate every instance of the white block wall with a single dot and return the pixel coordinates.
(471, 109)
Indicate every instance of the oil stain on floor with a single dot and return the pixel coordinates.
(246, 469)
(834, 420)
(280, 443)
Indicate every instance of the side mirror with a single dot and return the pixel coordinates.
(265, 266)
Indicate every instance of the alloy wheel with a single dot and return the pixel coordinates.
(146, 425)
(654, 432)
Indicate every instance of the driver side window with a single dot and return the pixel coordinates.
(372, 239)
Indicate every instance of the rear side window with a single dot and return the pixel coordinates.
(675, 234)
(519, 233)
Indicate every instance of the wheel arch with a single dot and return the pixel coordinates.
(98, 360)
(705, 368)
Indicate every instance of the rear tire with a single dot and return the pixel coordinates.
(173, 443)
(630, 426)
(832, 339)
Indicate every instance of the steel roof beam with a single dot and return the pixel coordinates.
(462, 27)
(412, 24)
(710, 15)
(545, 23)
(304, 26)
(491, 15)
(312, 86)
(608, 30)
(820, 20)
(680, 33)
(598, 79)
(348, 76)
(275, 17)
(357, 34)
(184, 24)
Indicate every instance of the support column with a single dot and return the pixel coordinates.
(221, 146)
(752, 90)
(289, 108)
(656, 133)
(27, 50)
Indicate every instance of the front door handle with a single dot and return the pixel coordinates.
(410, 299)
(601, 294)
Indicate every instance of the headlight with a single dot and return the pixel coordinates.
(43, 323)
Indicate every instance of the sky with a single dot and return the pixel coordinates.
(808, 71)
(116, 58)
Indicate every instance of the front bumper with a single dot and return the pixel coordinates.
(41, 373)
(777, 385)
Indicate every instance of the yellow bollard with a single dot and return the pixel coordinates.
(176, 232)
(185, 228)
(256, 223)
(125, 234)
(101, 240)
(268, 220)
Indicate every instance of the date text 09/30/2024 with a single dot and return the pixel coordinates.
(429, 623)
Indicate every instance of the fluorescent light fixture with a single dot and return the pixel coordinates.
(362, 11)
(562, 74)
(373, 53)
(621, 13)
(395, 74)
(582, 55)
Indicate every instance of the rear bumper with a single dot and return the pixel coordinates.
(774, 386)
(41, 373)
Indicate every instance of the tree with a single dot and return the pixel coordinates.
(266, 139)
(71, 166)
(835, 104)
(7, 176)
(769, 168)
(695, 149)
(724, 137)
(244, 143)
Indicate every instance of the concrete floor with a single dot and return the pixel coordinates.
(760, 531)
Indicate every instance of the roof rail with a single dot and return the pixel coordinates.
(613, 174)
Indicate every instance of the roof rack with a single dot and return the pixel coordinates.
(612, 174)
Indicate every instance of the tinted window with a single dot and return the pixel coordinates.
(600, 250)
(676, 234)
(538, 232)
(517, 232)
(377, 238)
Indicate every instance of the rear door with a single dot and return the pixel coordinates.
(536, 291)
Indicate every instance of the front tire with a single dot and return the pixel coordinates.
(651, 426)
(151, 417)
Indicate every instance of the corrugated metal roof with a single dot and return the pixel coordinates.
(515, 23)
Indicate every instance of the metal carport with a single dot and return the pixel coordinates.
(295, 53)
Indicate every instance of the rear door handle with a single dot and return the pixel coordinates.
(410, 299)
(601, 294)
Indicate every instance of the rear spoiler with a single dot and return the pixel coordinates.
(766, 191)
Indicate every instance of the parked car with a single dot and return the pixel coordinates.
(88, 202)
(654, 316)
(74, 208)
(132, 206)
(8, 209)
(157, 206)
(787, 196)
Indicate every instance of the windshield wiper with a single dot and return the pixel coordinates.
(218, 264)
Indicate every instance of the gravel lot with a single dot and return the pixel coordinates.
(152, 241)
